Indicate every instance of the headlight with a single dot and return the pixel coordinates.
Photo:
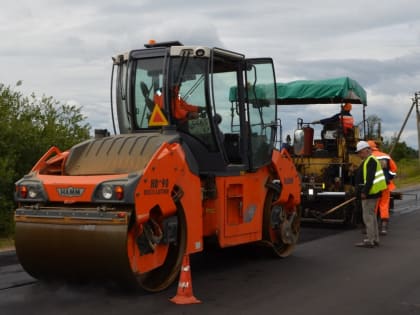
(107, 192)
(112, 192)
(32, 193)
(310, 191)
(116, 190)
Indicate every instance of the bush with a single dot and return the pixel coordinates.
(30, 126)
(6, 218)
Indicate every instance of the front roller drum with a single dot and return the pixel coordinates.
(63, 249)
(74, 252)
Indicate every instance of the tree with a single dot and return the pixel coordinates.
(373, 127)
(401, 150)
(31, 125)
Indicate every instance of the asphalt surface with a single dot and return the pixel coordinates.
(324, 275)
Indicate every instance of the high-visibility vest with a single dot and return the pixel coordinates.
(389, 161)
(347, 121)
(379, 182)
(390, 165)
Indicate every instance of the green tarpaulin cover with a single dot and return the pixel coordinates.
(255, 93)
(336, 90)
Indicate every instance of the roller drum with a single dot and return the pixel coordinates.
(74, 252)
(83, 246)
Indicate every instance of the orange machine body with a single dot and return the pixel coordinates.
(130, 207)
(234, 217)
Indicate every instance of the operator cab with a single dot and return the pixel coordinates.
(228, 118)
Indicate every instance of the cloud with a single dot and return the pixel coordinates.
(64, 48)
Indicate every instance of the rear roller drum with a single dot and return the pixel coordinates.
(281, 227)
(162, 277)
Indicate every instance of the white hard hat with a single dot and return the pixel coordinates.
(362, 145)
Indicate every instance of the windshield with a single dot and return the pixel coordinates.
(187, 89)
(148, 80)
(188, 77)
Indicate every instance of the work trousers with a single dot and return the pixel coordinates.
(383, 204)
(369, 218)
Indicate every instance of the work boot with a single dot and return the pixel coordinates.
(384, 227)
(366, 244)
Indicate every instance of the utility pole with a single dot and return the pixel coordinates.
(416, 96)
(415, 103)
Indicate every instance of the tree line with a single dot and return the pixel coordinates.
(30, 125)
(401, 149)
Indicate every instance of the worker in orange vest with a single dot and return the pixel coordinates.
(181, 110)
(344, 118)
(390, 171)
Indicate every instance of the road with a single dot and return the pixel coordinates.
(324, 275)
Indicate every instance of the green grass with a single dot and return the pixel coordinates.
(408, 173)
(6, 243)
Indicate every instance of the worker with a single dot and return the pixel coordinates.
(390, 171)
(370, 182)
(343, 118)
(181, 110)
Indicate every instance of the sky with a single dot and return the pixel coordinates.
(63, 48)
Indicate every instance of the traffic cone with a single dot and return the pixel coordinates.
(184, 294)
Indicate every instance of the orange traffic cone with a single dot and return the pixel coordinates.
(184, 294)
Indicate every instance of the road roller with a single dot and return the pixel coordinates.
(193, 156)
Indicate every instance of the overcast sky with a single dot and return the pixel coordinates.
(63, 48)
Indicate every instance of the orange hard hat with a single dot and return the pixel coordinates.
(347, 107)
(372, 144)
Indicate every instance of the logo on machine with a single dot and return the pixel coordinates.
(158, 186)
(70, 191)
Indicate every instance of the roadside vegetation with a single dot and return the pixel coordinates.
(6, 243)
(408, 173)
(407, 160)
(30, 126)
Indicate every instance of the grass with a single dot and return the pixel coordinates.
(6, 243)
(408, 173)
